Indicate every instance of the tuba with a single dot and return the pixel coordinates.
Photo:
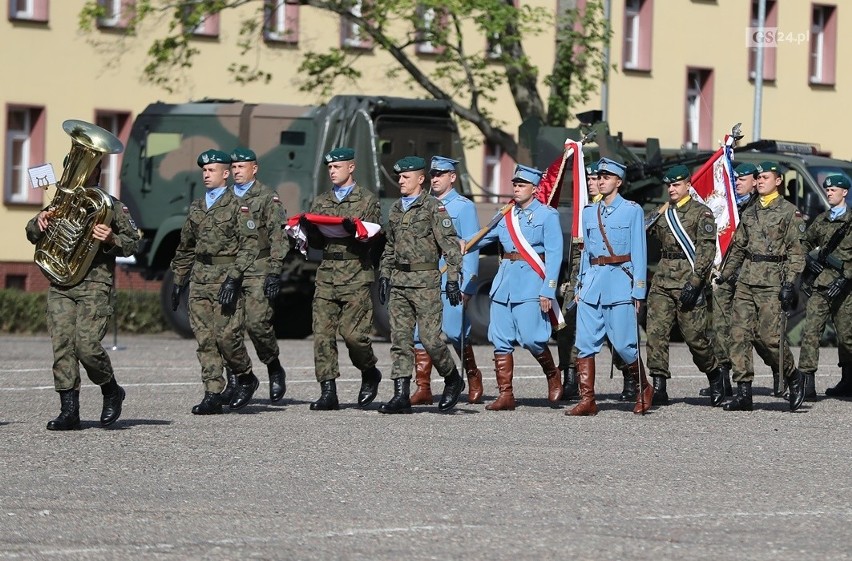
(67, 248)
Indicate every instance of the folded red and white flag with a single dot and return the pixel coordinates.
(330, 227)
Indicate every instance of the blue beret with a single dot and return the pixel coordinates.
(243, 155)
(605, 165)
(745, 169)
(440, 163)
(527, 174)
(770, 166)
(676, 173)
(213, 157)
(340, 155)
(409, 163)
(836, 180)
(592, 169)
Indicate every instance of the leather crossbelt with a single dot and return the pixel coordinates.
(756, 258)
(516, 256)
(673, 255)
(206, 259)
(411, 267)
(610, 259)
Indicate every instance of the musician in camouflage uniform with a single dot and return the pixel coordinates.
(827, 280)
(419, 229)
(261, 282)
(768, 247)
(77, 315)
(218, 244)
(342, 300)
(687, 234)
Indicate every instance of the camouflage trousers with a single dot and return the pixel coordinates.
(723, 308)
(350, 314)
(219, 334)
(756, 322)
(819, 309)
(421, 306)
(77, 320)
(259, 319)
(663, 310)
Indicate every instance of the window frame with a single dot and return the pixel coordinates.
(37, 11)
(822, 55)
(285, 15)
(33, 154)
(636, 46)
(350, 31)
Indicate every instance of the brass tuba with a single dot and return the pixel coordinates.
(67, 248)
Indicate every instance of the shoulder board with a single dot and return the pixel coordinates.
(244, 209)
(125, 209)
(708, 214)
(275, 199)
(442, 208)
(630, 202)
(798, 214)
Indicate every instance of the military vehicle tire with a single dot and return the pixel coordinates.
(381, 320)
(293, 318)
(479, 314)
(178, 320)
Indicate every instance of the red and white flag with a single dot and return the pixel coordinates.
(330, 227)
(713, 184)
(550, 186)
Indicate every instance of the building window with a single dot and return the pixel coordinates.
(496, 173)
(429, 21)
(282, 21)
(25, 148)
(769, 49)
(118, 123)
(202, 25)
(823, 44)
(28, 10)
(636, 54)
(351, 34)
(698, 130)
(117, 13)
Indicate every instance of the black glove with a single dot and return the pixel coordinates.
(228, 291)
(836, 287)
(689, 296)
(384, 290)
(271, 286)
(813, 265)
(453, 292)
(787, 296)
(349, 226)
(176, 292)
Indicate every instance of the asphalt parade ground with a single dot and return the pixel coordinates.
(685, 481)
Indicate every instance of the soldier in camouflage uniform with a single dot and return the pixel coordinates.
(218, 244)
(827, 281)
(687, 234)
(768, 247)
(419, 229)
(262, 279)
(77, 315)
(342, 300)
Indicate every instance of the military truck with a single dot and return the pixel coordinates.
(159, 176)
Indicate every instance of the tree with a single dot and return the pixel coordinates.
(468, 66)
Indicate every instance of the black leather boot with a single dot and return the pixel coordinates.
(210, 405)
(779, 385)
(844, 386)
(247, 384)
(810, 386)
(113, 396)
(717, 385)
(570, 387)
(726, 383)
(742, 401)
(629, 389)
(797, 389)
(228, 393)
(277, 381)
(370, 379)
(399, 403)
(69, 413)
(328, 397)
(453, 387)
(661, 396)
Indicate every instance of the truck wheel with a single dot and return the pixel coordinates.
(293, 317)
(381, 320)
(479, 314)
(178, 320)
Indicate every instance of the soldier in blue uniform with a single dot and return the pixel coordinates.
(522, 300)
(462, 211)
(611, 286)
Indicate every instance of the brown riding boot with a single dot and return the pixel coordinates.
(554, 383)
(586, 381)
(504, 366)
(474, 376)
(422, 377)
(646, 395)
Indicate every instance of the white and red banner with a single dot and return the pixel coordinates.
(713, 184)
(551, 184)
(330, 227)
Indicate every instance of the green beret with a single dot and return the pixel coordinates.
(770, 166)
(592, 169)
(340, 155)
(745, 169)
(213, 157)
(676, 173)
(409, 163)
(243, 155)
(836, 180)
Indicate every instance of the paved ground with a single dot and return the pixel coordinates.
(283, 482)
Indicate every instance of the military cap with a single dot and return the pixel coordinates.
(836, 180)
(440, 163)
(243, 155)
(770, 166)
(745, 169)
(339, 155)
(592, 169)
(213, 157)
(409, 163)
(676, 173)
(527, 175)
(605, 165)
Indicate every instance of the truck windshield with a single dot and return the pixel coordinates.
(821, 172)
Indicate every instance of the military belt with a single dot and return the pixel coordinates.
(411, 267)
(339, 256)
(673, 255)
(610, 259)
(756, 258)
(206, 259)
(516, 256)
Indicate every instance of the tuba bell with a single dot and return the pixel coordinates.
(67, 248)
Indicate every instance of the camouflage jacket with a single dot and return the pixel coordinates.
(698, 223)
(216, 242)
(775, 231)
(346, 261)
(270, 217)
(419, 236)
(818, 234)
(125, 242)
